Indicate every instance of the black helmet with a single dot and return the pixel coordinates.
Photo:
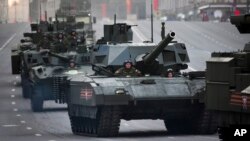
(128, 61)
(60, 34)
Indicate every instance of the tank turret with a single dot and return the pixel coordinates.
(148, 62)
(117, 33)
(150, 58)
(63, 58)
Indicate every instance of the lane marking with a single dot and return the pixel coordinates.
(38, 135)
(22, 121)
(51, 140)
(12, 96)
(18, 115)
(7, 42)
(14, 83)
(10, 125)
(13, 103)
(15, 109)
(28, 128)
(17, 77)
(13, 90)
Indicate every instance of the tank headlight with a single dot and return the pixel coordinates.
(120, 92)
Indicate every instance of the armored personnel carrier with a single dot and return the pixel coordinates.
(228, 85)
(98, 102)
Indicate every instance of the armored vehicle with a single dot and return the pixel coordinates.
(49, 81)
(98, 102)
(228, 85)
(29, 42)
(51, 61)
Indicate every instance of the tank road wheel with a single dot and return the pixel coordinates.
(25, 87)
(74, 125)
(36, 100)
(93, 126)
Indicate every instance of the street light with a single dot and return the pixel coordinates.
(15, 3)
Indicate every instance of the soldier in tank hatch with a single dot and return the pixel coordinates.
(128, 70)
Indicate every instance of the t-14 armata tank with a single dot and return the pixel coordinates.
(98, 102)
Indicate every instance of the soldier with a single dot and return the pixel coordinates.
(72, 64)
(44, 43)
(170, 73)
(128, 70)
(61, 44)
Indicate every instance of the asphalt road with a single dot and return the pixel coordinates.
(17, 122)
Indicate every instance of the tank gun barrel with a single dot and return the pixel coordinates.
(66, 59)
(149, 58)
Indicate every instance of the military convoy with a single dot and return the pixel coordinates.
(228, 84)
(62, 62)
(48, 55)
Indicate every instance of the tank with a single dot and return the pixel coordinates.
(44, 70)
(28, 55)
(98, 102)
(33, 48)
(49, 81)
(228, 85)
(29, 42)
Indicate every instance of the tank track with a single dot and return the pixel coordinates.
(200, 124)
(207, 124)
(105, 124)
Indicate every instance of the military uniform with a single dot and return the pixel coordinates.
(44, 43)
(128, 72)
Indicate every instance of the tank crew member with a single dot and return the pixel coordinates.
(128, 70)
(61, 44)
(44, 43)
(170, 73)
(72, 64)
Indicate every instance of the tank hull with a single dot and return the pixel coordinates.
(138, 98)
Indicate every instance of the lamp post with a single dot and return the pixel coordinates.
(15, 4)
(152, 23)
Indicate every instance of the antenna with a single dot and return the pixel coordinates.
(46, 15)
(115, 19)
(162, 30)
(152, 23)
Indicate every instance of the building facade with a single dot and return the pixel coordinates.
(210, 8)
(122, 8)
(3, 11)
